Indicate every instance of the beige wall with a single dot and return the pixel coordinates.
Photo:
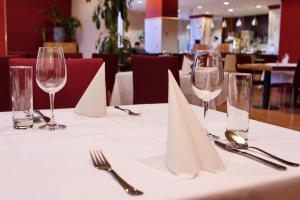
(136, 20)
(87, 34)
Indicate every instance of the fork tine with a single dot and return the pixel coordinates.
(101, 161)
(105, 158)
(98, 159)
(93, 159)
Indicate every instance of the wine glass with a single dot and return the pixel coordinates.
(51, 76)
(207, 78)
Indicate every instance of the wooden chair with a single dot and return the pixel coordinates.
(230, 63)
(150, 78)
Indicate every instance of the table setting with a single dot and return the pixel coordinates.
(162, 151)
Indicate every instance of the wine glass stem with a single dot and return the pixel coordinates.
(52, 121)
(205, 114)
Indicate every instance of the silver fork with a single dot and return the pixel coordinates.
(100, 162)
(128, 111)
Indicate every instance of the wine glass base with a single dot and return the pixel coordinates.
(52, 127)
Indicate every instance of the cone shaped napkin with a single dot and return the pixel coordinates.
(93, 101)
(188, 147)
(186, 65)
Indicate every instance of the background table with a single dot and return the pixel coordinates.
(268, 68)
(123, 90)
(38, 164)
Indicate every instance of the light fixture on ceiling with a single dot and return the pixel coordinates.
(207, 13)
(254, 22)
(199, 7)
(140, 2)
(238, 23)
(258, 6)
(226, 3)
(230, 10)
(224, 23)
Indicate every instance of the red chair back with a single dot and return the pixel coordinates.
(73, 55)
(80, 73)
(5, 103)
(111, 68)
(150, 78)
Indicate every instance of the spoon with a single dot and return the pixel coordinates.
(241, 143)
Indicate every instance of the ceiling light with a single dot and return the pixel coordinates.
(258, 6)
(207, 13)
(224, 24)
(226, 3)
(199, 7)
(139, 2)
(230, 10)
(254, 22)
(239, 23)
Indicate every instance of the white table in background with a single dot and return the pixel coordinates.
(122, 93)
(38, 164)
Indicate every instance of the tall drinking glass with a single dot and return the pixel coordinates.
(207, 78)
(51, 76)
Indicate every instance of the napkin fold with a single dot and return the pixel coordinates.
(186, 65)
(285, 59)
(93, 101)
(188, 147)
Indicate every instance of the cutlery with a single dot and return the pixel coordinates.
(100, 162)
(44, 117)
(241, 143)
(128, 111)
(232, 149)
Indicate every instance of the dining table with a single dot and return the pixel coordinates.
(268, 69)
(122, 93)
(39, 164)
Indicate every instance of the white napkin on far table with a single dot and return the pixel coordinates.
(188, 147)
(186, 65)
(93, 101)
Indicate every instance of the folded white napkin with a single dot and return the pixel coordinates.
(188, 147)
(186, 65)
(285, 59)
(93, 101)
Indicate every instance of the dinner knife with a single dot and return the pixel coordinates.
(232, 149)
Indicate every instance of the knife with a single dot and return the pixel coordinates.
(232, 149)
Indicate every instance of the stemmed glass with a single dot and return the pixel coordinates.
(207, 78)
(51, 76)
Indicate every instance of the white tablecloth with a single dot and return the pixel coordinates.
(37, 164)
(123, 90)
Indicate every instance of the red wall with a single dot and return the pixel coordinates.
(22, 19)
(2, 29)
(290, 29)
(161, 8)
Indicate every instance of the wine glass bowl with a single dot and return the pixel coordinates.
(207, 76)
(51, 76)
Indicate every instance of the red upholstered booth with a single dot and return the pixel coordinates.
(150, 78)
(34, 54)
(5, 102)
(111, 68)
(80, 73)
